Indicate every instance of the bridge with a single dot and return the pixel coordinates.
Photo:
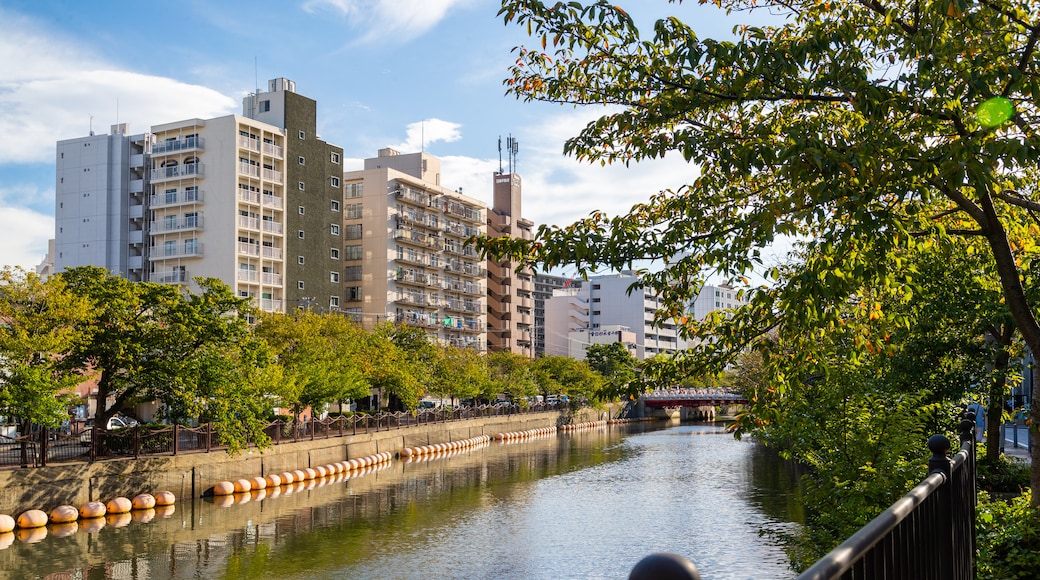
(692, 398)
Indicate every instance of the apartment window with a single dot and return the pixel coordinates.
(334, 206)
(302, 160)
(191, 193)
(171, 195)
(302, 186)
(334, 302)
(353, 190)
(170, 248)
(335, 157)
(300, 234)
(265, 106)
(352, 232)
(300, 260)
(353, 253)
(333, 276)
(352, 273)
(595, 312)
(299, 284)
(303, 135)
(595, 299)
(354, 294)
(301, 210)
(334, 253)
(334, 229)
(595, 286)
(334, 181)
(191, 246)
(354, 210)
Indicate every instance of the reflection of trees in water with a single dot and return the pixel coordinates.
(777, 484)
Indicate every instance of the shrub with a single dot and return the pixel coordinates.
(1008, 535)
(1004, 475)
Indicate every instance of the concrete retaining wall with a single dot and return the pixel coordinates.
(191, 474)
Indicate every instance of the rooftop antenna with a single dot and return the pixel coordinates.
(91, 125)
(256, 83)
(512, 147)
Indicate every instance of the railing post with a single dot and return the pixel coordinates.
(137, 441)
(209, 436)
(44, 447)
(176, 438)
(943, 538)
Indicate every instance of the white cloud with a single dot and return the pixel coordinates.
(401, 19)
(26, 233)
(419, 135)
(50, 88)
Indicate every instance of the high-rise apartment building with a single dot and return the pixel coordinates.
(405, 254)
(510, 295)
(720, 297)
(250, 199)
(99, 209)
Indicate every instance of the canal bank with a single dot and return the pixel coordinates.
(191, 474)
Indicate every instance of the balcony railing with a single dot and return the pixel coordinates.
(272, 175)
(269, 305)
(176, 172)
(248, 223)
(164, 147)
(181, 197)
(249, 169)
(169, 277)
(272, 150)
(179, 251)
(271, 279)
(271, 226)
(163, 226)
(273, 201)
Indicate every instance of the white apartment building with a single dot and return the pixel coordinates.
(712, 298)
(605, 301)
(209, 197)
(579, 341)
(405, 255)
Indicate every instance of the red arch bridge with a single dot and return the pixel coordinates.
(692, 398)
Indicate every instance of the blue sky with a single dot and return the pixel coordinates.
(398, 73)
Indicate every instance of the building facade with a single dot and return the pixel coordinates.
(233, 198)
(510, 295)
(606, 301)
(405, 254)
(544, 286)
(721, 297)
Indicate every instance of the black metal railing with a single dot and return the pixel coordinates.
(928, 533)
(42, 446)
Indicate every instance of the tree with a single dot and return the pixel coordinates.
(848, 123)
(510, 373)
(568, 376)
(319, 355)
(461, 373)
(618, 367)
(158, 342)
(40, 322)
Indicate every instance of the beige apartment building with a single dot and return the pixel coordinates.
(405, 255)
(510, 300)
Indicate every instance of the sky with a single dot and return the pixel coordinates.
(408, 74)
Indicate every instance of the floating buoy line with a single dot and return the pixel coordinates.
(34, 525)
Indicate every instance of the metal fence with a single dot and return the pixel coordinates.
(928, 533)
(43, 446)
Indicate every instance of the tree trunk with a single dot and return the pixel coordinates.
(1021, 312)
(995, 408)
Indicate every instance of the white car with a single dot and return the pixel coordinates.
(114, 422)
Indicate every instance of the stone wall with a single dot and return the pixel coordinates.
(192, 474)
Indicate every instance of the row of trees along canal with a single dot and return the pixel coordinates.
(894, 144)
(210, 357)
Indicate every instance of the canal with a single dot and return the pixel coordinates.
(587, 504)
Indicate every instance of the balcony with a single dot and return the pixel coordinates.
(177, 145)
(249, 170)
(268, 304)
(247, 249)
(417, 238)
(248, 223)
(272, 176)
(270, 279)
(415, 196)
(247, 276)
(178, 276)
(249, 143)
(272, 201)
(171, 199)
(176, 172)
(159, 253)
(416, 278)
(271, 226)
(249, 196)
(176, 225)
(271, 252)
(272, 150)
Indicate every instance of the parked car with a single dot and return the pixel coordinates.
(115, 422)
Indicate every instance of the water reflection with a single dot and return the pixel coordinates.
(578, 505)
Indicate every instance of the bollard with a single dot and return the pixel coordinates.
(664, 566)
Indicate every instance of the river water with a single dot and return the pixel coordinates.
(588, 504)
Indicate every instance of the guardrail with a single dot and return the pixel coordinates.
(42, 446)
(928, 533)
